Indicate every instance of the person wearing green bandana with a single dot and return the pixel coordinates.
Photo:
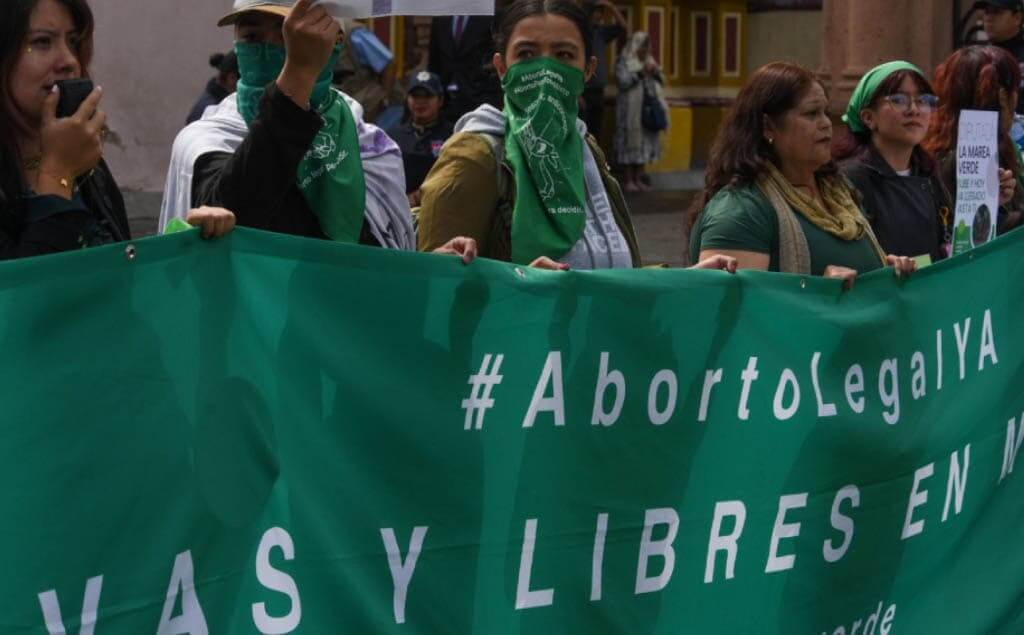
(880, 153)
(527, 182)
(289, 153)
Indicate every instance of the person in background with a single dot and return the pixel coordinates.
(608, 26)
(219, 87)
(772, 198)
(636, 145)
(979, 78)
(422, 131)
(56, 192)
(901, 191)
(365, 71)
(1003, 21)
(460, 54)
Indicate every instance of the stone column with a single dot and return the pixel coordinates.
(859, 34)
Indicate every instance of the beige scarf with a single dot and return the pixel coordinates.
(837, 213)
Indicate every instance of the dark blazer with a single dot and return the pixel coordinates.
(465, 64)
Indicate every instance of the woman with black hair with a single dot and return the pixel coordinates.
(527, 182)
(902, 194)
(56, 193)
(219, 87)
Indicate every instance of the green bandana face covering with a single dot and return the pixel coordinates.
(330, 176)
(545, 151)
(866, 89)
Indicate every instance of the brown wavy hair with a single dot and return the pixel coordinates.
(971, 79)
(740, 152)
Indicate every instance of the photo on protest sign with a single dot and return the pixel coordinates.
(977, 180)
(378, 8)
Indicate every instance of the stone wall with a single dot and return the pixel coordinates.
(152, 61)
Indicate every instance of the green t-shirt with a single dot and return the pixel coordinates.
(741, 218)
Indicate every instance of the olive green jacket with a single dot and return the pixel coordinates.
(466, 195)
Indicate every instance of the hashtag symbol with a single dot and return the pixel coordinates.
(483, 383)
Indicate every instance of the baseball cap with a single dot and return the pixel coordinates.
(273, 7)
(1012, 5)
(429, 82)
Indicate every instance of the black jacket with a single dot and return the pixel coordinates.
(420, 149)
(257, 182)
(213, 95)
(911, 215)
(465, 64)
(38, 225)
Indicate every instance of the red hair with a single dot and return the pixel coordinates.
(972, 78)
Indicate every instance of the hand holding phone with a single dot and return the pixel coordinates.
(72, 93)
(71, 145)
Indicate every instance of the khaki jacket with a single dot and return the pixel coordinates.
(465, 195)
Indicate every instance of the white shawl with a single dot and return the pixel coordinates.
(222, 129)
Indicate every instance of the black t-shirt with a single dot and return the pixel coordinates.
(420, 149)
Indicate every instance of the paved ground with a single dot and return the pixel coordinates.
(659, 218)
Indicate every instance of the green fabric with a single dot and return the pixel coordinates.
(210, 412)
(330, 176)
(176, 225)
(741, 218)
(545, 151)
(866, 89)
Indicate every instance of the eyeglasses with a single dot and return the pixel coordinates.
(902, 101)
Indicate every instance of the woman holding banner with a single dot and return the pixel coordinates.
(542, 194)
(980, 78)
(56, 193)
(902, 195)
(773, 199)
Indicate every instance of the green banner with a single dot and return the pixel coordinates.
(272, 435)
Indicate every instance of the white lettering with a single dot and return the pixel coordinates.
(401, 572)
(913, 527)
(552, 374)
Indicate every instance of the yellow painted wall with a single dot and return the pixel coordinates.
(677, 151)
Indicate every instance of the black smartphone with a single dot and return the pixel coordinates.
(72, 93)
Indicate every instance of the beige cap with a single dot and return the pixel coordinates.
(273, 7)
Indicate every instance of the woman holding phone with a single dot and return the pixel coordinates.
(56, 192)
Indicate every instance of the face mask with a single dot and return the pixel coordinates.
(259, 64)
(545, 150)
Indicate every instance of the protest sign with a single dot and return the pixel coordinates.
(977, 180)
(379, 8)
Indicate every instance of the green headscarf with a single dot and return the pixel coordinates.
(866, 89)
(545, 151)
(330, 176)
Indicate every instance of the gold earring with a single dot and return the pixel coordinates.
(29, 50)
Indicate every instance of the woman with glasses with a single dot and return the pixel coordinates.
(979, 78)
(773, 198)
(902, 195)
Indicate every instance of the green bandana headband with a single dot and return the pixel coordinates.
(866, 89)
(545, 151)
(330, 176)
